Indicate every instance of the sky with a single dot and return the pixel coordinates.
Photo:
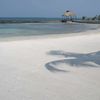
(48, 8)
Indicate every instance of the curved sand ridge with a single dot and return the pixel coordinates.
(74, 60)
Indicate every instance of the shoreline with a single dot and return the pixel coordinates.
(49, 36)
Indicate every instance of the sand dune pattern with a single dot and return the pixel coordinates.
(74, 60)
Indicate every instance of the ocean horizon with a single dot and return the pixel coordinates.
(5, 20)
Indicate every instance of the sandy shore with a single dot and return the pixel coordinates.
(66, 68)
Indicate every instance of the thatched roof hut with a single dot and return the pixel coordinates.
(69, 13)
(68, 16)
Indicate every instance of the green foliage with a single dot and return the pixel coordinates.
(83, 18)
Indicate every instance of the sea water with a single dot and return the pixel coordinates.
(41, 29)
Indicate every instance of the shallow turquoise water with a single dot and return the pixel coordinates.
(41, 29)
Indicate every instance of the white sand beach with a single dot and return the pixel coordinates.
(66, 68)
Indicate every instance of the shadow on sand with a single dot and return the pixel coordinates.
(73, 59)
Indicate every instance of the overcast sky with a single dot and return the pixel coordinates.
(48, 8)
